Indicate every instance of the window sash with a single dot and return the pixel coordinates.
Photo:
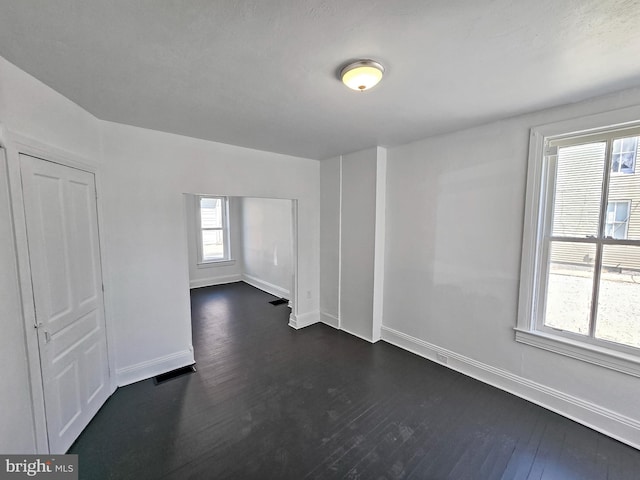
(598, 135)
(546, 209)
(224, 228)
(544, 139)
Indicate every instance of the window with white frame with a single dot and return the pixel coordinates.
(617, 220)
(623, 156)
(580, 278)
(212, 214)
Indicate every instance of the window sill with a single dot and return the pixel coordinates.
(217, 263)
(596, 355)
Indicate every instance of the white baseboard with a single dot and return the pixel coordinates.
(303, 320)
(209, 281)
(362, 337)
(603, 420)
(330, 320)
(334, 322)
(265, 286)
(151, 368)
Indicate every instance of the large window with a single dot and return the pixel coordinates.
(580, 285)
(214, 237)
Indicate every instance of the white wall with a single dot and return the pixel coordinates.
(358, 242)
(330, 240)
(29, 108)
(455, 210)
(16, 416)
(214, 273)
(145, 178)
(352, 219)
(267, 244)
(142, 176)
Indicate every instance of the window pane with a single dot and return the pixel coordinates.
(624, 154)
(618, 318)
(627, 163)
(619, 231)
(608, 230)
(629, 144)
(617, 146)
(569, 286)
(211, 212)
(578, 190)
(615, 162)
(212, 245)
(622, 211)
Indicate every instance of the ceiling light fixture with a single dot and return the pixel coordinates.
(362, 75)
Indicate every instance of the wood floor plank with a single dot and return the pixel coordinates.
(269, 402)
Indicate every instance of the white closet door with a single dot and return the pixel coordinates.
(64, 251)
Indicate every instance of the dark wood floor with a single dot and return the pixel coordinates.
(268, 402)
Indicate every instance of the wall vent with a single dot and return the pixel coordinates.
(178, 372)
(279, 301)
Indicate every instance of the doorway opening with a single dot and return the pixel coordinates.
(243, 239)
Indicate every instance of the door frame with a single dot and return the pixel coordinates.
(16, 144)
(293, 234)
(293, 317)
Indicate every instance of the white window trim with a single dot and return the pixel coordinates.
(594, 354)
(526, 330)
(220, 262)
(228, 262)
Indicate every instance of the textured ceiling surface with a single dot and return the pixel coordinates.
(263, 74)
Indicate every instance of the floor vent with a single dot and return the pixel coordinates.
(178, 372)
(279, 301)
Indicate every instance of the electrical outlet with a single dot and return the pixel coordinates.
(308, 294)
(442, 358)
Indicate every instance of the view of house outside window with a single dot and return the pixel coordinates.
(593, 266)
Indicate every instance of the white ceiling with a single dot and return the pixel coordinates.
(263, 74)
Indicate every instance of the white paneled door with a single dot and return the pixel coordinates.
(64, 252)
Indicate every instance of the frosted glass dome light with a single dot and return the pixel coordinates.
(362, 75)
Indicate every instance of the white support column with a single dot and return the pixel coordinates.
(379, 248)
